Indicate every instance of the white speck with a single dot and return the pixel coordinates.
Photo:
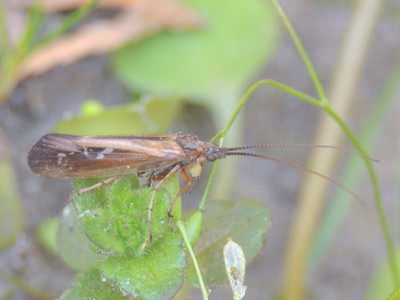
(100, 156)
(60, 158)
(66, 211)
(84, 213)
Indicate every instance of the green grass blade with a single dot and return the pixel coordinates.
(35, 21)
(182, 230)
(68, 22)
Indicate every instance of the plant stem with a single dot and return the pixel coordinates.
(181, 228)
(221, 135)
(339, 206)
(295, 262)
(251, 90)
(302, 52)
(377, 195)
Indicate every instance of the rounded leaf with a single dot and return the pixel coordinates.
(158, 274)
(114, 217)
(91, 284)
(244, 221)
(208, 63)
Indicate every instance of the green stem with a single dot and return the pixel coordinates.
(302, 52)
(377, 196)
(324, 104)
(221, 135)
(251, 90)
(182, 229)
(368, 138)
(326, 107)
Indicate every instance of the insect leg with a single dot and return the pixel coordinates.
(150, 179)
(185, 177)
(87, 189)
(94, 186)
(159, 184)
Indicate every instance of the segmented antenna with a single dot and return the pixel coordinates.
(275, 145)
(293, 165)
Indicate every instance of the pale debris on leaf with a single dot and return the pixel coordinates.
(235, 266)
(141, 19)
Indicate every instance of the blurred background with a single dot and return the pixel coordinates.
(154, 66)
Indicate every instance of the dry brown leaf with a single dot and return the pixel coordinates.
(142, 19)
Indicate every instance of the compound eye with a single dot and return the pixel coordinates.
(211, 157)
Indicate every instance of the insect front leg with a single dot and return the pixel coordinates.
(153, 195)
(185, 177)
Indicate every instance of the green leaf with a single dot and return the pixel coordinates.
(244, 221)
(75, 249)
(91, 284)
(92, 108)
(212, 65)
(158, 274)
(395, 295)
(207, 64)
(11, 215)
(144, 117)
(114, 216)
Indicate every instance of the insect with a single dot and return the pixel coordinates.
(156, 156)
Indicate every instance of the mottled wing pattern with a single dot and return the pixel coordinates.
(70, 156)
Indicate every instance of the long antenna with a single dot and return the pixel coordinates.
(275, 145)
(293, 165)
